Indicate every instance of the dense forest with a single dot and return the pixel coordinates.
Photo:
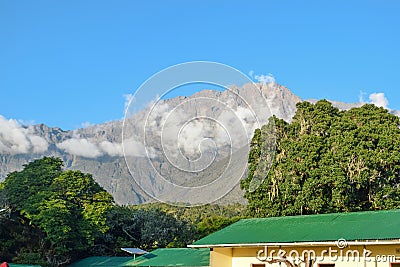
(51, 217)
(325, 160)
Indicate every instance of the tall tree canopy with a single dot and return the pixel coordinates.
(68, 208)
(327, 161)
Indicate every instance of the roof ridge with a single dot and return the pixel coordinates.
(338, 214)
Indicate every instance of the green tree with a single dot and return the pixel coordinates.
(328, 161)
(22, 187)
(69, 207)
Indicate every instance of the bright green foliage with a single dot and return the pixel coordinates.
(68, 207)
(328, 161)
(22, 187)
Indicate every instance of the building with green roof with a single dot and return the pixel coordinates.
(22, 265)
(101, 261)
(367, 239)
(187, 257)
(361, 239)
(161, 257)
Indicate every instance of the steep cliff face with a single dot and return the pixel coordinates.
(97, 149)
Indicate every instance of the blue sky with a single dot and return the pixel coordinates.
(65, 63)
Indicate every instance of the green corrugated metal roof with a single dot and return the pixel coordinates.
(22, 265)
(367, 225)
(101, 261)
(173, 257)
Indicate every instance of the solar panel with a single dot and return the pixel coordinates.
(134, 251)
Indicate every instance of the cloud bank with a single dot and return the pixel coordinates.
(80, 147)
(89, 149)
(379, 100)
(262, 78)
(16, 139)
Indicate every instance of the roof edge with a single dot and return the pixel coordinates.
(345, 213)
(311, 243)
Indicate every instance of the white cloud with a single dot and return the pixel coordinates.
(112, 149)
(379, 100)
(128, 99)
(80, 147)
(235, 123)
(251, 74)
(39, 144)
(262, 78)
(89, 149)
(193, 134)
(15, 139)
(180, 132)
(268, 78)
(134, 148)
(361, 97)
(158, 113)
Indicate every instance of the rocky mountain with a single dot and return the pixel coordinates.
(185, 149)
